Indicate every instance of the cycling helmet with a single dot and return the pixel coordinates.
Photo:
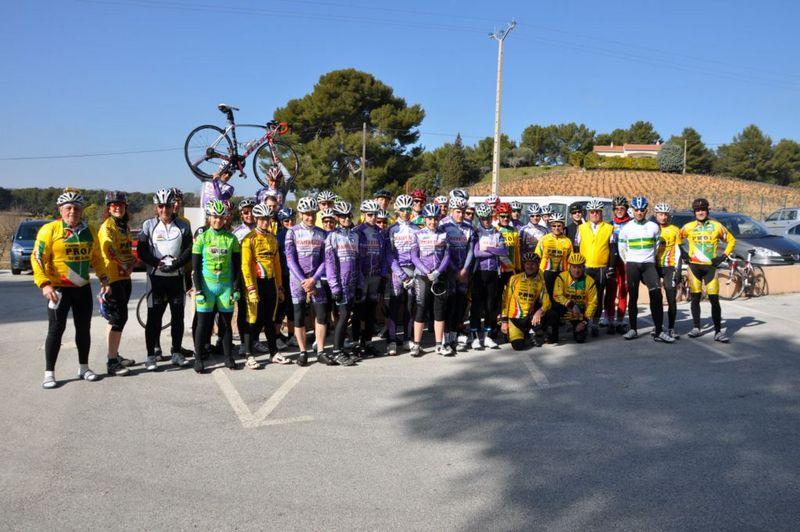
(594, 204)
(71, 195)
(382, 193)
(116, 196)
(483, 210)
(457, 203)
(620, 201)
(576, 259)
(307, 204)
(530, 256)
(663, 207)
(327, 213)
(441, 201)
(369, 206)
(262, 211)
(326, 195)
(418, 194)
(287, 213)
(503, 208)
(575, 207)
(459, 193)
(165, 196)
(546, 209)
(700, 204)
(556, 217)
(516, 206)
(492, 199)
(403, 201)
(342, 208)
(431, 210)
(534, 209)
(382, 214)
(247, 202)
(639, 203)
(178, 193)
(216, 208)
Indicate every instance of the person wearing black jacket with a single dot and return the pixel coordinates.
(576, 213)
(165, 246)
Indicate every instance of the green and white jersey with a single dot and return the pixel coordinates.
(217, 249)
(638, 241)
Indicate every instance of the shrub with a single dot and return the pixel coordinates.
(576, 159)
(670, 158)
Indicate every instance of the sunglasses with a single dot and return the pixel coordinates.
(639, 210)
(164, 205)
(369, 214)
(503, 216)
(417, 201)
(405, 209)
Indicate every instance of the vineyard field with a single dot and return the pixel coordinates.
(736, 195)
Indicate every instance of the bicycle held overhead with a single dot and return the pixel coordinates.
(211, 150)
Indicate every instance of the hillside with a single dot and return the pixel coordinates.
(755, 199)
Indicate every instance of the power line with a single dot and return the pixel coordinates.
(85, 155)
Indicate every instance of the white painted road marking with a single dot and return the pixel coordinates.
(539, 378)
(259, 419)
(759, 311)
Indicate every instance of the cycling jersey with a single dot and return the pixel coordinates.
(214, 190)
(62, 255)
(594, 243)
(554, 251)
(489, 250)
(158, 240)
(115, 247)
(242, 230)
(430, 251)
(581, 292)
(511, 240)
(372, 250)
(461, 238)
(521, 295)
(341, 262)
(669, 249)
(305, 257)
(618, 224)
(278, 193)
(638, 241)
(260, 258)
(217, 249)
(529, 236)
(417, 219)
(401, 241)
(703, 239)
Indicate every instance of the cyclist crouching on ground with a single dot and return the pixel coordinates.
(574, 299)
(64, 251)
(115, 247)
(522, 304)
(165, 246)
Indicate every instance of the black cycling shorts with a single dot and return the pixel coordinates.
(116, 304)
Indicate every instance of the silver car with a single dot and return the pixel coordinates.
(782, 219)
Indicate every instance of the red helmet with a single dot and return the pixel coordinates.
(503, 208)
(419, 194)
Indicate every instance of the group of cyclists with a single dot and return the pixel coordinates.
(475, 273)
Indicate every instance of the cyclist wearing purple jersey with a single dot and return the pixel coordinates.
(461, 237)
(401, 242)
(216, 189)
(372, 261)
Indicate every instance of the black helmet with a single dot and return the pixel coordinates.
(620, 201)
(700, 204)
(575, 207)
(116, 196)
(382, 193)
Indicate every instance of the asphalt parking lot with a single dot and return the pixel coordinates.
(608, 435)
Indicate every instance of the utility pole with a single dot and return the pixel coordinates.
(500, 37)
(684, 156)
(363, 157)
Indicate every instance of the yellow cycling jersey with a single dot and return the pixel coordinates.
(115, 247)
(62, 256)
(260, 258)
(554, 251)
(669, 247)
(581, 292)
(703, 239)
(595, 243)
(511, 240)
(521, 295)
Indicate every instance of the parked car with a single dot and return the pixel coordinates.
(139, 266)
(22, 245)
(782, 219)
(557, 203)
(792, 233)
(769, 249)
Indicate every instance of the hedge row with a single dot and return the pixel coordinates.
(592, 161)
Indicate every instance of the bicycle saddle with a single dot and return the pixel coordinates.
(225, 108)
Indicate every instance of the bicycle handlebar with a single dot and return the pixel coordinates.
(281, 128)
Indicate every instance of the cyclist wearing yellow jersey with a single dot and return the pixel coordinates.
(511, 238)
(668, 262)
(325, 201)
(554, 249)
(593, 241)
(574, 299)
(703, 236)
(522, 304)
(64, 251)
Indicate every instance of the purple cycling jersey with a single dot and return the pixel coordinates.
(215, 189)
(372, 251)
(461, 238)
(341, 262)
(305, 252)
(489, 248)
(430, 251)
(278, 193)
(401, 241)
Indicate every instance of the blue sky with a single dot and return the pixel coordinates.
(86, 77)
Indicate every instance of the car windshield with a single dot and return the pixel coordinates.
(743, 226)
(28, 231)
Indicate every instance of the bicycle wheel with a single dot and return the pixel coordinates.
(287, 162)
(207, 150)
(141, 313)
(730, 286)
(758, 282)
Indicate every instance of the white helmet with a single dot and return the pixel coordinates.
(263, 211)
(403, 201)
(516, 206)
(492, 199)
(216, 208)
(342, 208)
(483, 210)
(547, 209)
(70, 195)
(594, 204)
(326, 195)
(307, 205)
(441, 201)
(369, 206)
(556, 217)
(459, 193)
(382, 214)
(327, 213)
(663, 207)
(165, 196)
(534, 209)
(457, 203)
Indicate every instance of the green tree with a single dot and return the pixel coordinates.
(618, 137)
(326, 129)
(670, 158)
(699, 159)
(642, 132)
(482, 153)
(748, 156)
(785, 163)
(445, 168)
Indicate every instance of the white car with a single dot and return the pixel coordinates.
(791, 232)
(557, 203)
(782, 219)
